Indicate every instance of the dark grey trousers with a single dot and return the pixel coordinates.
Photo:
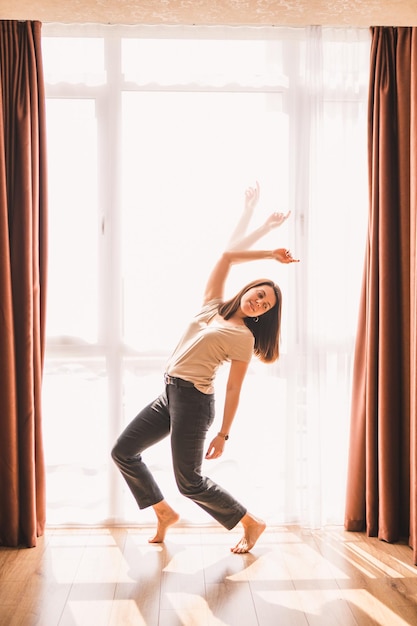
(185, 414)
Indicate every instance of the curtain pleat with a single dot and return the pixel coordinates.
(413, 299)
(381, 486)
(23, 244)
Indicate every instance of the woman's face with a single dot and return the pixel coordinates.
(257, 301)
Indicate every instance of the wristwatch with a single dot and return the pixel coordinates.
(225, 437)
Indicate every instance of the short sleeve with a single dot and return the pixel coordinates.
(209, 310)
(242, 350)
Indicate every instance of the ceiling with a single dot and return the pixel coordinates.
(360, 13)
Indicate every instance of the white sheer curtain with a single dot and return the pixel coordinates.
(174, 123)
(330, 201)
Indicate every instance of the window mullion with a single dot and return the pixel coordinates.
(110, 311)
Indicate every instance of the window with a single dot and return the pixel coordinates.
(154, 134)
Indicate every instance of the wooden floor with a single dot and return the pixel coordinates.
(111, 577)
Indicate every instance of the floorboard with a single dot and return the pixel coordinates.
(292, 577)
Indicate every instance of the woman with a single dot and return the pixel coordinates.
(222, 331)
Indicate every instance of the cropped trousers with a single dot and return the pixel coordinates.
(185, 414)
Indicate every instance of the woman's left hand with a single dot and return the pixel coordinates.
(215, 448)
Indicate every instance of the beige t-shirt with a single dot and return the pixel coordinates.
(204, 347)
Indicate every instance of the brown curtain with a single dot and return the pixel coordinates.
(22, 282)
(382, 472)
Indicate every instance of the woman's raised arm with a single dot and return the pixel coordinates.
(217, 279)
(242, 241)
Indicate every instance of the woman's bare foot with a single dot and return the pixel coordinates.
(253, 529)
(166, 517)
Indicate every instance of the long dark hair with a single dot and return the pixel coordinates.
(267, 330)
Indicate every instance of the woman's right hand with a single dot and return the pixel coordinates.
(283, 255)
(252, 197)
(276, 219)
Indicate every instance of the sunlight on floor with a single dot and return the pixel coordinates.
(82, 577)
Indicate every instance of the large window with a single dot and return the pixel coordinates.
(153, 136)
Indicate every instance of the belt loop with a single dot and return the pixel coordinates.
(176, 382)
(170, 380)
